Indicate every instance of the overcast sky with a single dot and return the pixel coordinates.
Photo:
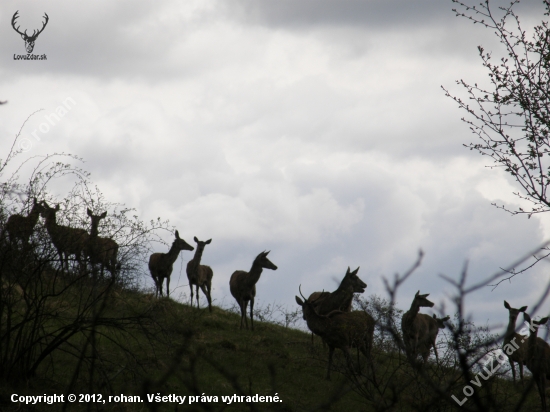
(316, 129)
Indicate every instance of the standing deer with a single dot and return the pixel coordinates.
(243, 285)
(341, 330)
(538, 357)
(416, 327)
(200, 275)
(161, 264)
(21, 227)
(67, 240)
(341, 298)
(100, 249)
(519, 355)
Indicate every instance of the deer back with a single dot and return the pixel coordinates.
(345, 329)
(240, 286)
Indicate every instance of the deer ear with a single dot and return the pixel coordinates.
(506, 305)
(195, 239)
(57, 207)
(435, 317)
(208, 241)
(526, 317)
(417, 294)
(177, 235)
(299, 301)
(523, 309)
(89, 212)
(446, 318)
(267, 253)
(103, 215)
(543, 321)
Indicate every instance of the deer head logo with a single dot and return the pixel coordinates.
(29, 40)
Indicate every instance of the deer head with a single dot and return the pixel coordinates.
(29, 40)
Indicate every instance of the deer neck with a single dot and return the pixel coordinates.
(173, 253)
(255, 273)
(511, 329)
(94, 231)
(410, 315)
(197, 258)
(33, 215)
(415, 308)
(343, 295)
(532, 341)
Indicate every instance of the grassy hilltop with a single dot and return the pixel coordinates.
(74, 331)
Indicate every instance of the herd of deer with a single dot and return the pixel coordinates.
(328, 314)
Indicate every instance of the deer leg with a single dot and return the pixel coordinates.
(520, 363)
(203, 288)
(513, 369)
(191, 287)
(330, 353)
(197, 290)
(243, 312)
(60, 258)
(161, 282)
(168, 286)
(348, 359)
(252, 313)
(208, 295)
(541, 388)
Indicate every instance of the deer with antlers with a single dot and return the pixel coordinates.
(519, 355)
(200, 275)
(101, 250)
(416, 327)
(67, 240)
(341, 330)
(341, 299)
(537, 358)
(161, 264)
(21, 227)
(243, 285)
(29, 40)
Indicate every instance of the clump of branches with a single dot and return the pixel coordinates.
(46, 309)
(511, 115)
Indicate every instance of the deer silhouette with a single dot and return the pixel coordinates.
(67, 240)
(341, 330)
(21, 227)
(29, 40)
(161, 264)
(243, 285)
(416, 327)
(520, 354)
(341, 299)
(200, 275)
(538, 357)
(101, 250)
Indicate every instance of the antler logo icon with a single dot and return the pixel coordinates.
(29, 40)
